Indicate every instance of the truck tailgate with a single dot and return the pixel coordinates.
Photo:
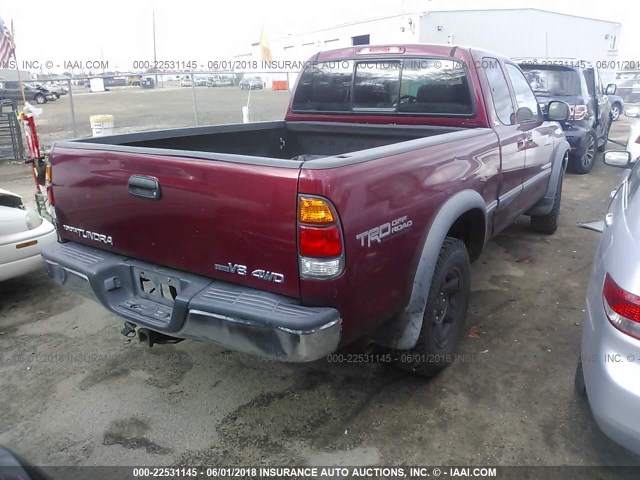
(229, 221)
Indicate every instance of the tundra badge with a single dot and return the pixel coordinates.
(97, 237)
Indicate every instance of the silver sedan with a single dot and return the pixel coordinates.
(609, 367)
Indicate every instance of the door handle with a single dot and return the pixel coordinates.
(144, 186)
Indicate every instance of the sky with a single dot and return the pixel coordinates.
(120, 32)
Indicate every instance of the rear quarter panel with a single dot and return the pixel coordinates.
(377, 279)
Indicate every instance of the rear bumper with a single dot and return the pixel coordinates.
(239, 318)
(576, 136)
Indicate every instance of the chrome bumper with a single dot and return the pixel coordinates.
(235, 317)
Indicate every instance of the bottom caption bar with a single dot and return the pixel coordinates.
(302, 472)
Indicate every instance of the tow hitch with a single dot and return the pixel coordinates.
(148, 336)
(151, 337)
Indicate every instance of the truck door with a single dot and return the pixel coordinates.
(538, 137)
(603, 107)
(511, 145)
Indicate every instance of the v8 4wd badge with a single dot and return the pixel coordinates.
(243, 271)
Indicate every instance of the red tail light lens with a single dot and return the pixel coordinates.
(622, 308)
(320, 252)
(577, 112)
(638, 140)
(49, 186)
(320, 242)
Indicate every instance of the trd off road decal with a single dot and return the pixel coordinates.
(382, 232)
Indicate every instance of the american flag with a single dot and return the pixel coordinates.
(6, 43)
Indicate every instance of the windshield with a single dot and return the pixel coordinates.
(410, 86)
(552, 80)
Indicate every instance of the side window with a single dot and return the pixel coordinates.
(594, 84)
(599, 86)
(525, 99)
(499, 91)
(590, 80)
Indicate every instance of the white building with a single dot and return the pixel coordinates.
(525, 32)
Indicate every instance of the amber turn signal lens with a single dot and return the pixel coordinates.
(27, 244)
(47, 174)
(315, 210)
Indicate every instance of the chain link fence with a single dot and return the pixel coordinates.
(148, 102)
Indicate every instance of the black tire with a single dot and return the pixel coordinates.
(583, 163)
(548, 224)
(40, 99)
(578, 381)
(445, 313)
(616, 109)
(57, 95)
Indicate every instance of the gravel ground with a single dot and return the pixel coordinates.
(76, 392)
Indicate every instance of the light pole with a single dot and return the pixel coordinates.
(153, 16)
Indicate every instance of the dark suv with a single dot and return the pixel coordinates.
(10, 90)
(577, 83)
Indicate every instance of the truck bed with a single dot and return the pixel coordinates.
(209, 198)
(298, 141)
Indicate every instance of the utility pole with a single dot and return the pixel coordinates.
(153, 16)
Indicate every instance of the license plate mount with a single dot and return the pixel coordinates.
(157, 287)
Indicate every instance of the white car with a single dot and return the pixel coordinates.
(633, 145)
(23, 233)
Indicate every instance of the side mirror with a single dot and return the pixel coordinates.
(617, 158)
(558, 111)
(611, 89)
(524, 115)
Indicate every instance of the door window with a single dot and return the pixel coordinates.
(525, 99)
(499, 91)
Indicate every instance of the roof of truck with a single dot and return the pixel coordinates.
(365, 51)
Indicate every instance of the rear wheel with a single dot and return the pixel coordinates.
(548, 224)
(583, 163)
(40, 99)
(444, 316)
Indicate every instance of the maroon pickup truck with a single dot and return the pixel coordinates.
(356, 217)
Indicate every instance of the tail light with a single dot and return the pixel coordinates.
(577, 112)
(320, 245)
(622, 308)
(638, 140)
(48, 179)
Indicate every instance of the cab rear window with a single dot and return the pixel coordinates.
(417, 86)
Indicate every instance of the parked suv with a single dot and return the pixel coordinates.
(251, 84)
(10, 90)
(578, 83)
